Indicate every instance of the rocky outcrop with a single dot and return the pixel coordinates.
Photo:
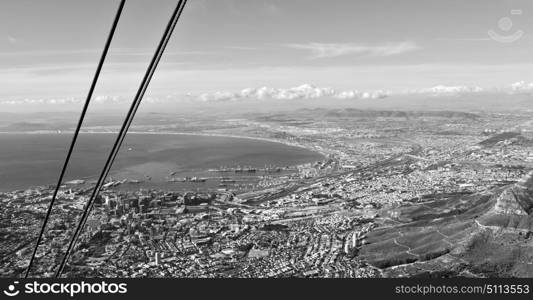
(486, 234)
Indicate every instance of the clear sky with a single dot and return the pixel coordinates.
(49, 49)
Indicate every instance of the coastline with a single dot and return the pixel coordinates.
(271, 140)
(201, 134)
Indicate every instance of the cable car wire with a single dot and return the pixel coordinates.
(76, 132)
(124, 129)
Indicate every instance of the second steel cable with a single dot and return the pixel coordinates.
(125, 126)
(76, 133)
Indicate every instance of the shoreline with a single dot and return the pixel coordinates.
(323, 154)
(271, 140)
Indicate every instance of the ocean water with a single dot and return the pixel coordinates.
(29, 160)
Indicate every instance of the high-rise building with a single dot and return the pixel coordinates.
(157, 258)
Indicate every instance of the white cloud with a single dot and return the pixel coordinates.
(304, 91)
(40, 101)
(307, 91)
(447, 90)
(218, 96)
(107, 99)
(325, 50)
(521, 86)
(61, 101)
(362, 95)
(99, 100)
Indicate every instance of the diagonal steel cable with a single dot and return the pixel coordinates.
(124, 129)
(76, 131)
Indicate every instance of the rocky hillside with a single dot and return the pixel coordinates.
(484, 234)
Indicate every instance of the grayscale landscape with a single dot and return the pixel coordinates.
(364, 139)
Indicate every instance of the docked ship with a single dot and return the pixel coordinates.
(188, 179)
